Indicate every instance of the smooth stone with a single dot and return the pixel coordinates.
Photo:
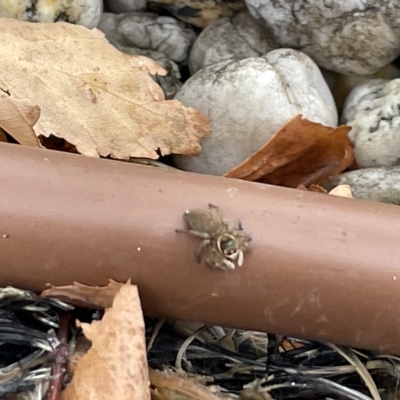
(239, 37)
(372, 110)
(354, 37)
(123, 6)
(149, 31)
(81, 12)
(248, 101)
(375, 184)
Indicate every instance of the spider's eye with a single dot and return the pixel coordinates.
(228, 245)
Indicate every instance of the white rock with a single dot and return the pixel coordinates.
(108, 24)
(375, 184)
(372, 110)
(81, 12)
(248, 101)
(149, 31)
(355, 37)
(123, 6)
(239, 37)
(305, 84)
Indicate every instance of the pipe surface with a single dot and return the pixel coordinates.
(321, 267)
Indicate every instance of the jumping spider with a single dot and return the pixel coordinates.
(224, 242)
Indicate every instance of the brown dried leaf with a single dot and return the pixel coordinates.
(313, 188)
(77, 351)
(95, 97)
(302, 152)
(250, 394)
(17, 118)
(115, 367)
(170, 386)
(85, 296)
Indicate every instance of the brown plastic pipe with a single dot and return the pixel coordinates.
(321, 267)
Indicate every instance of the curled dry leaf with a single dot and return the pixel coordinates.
(85, 296)
(170, 386)
(115, 367)
(97, 98)
(17, 118)
(342, 191)
(302, 152)
(313, 188)
(249, 394)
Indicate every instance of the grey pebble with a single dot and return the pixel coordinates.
(375, 184)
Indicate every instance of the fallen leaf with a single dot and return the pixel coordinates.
(288, 344)
(170, 386)
(100, 100)
(17, 118)
(313, 188)
(85, 296)
(115, 367)
(302, 152)
(80, 347)
(342, 191)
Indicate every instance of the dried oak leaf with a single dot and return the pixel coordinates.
(17, 118)
(95, 97)
(115, 367)
(170, 386)
(312, 188)
(302, 152)
(85, 296)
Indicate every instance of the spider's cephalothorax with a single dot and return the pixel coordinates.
(224, 243)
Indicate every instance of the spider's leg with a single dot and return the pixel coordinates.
(215, 209)
(203, 235)
(237, 225)
(229, 264)
(214, 264)
(200, 249)
(214, 259)
(244, 236)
